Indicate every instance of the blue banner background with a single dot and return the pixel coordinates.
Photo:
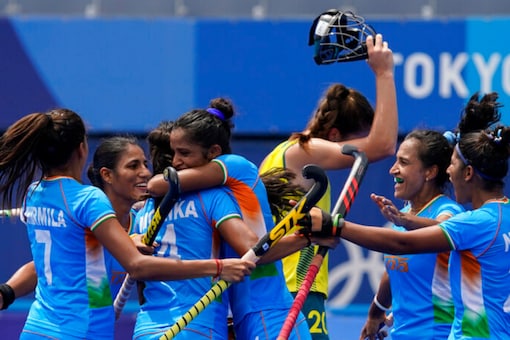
(128, 74)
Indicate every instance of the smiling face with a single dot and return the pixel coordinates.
(408, 171)
(188, 154)
(128, 180)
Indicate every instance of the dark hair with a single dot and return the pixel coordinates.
(482, 145)
(159, 146)
(280, 189)
(160, 152)
(36, 142)
(207, 128)
(342, 108)
(433, 149)
(107, 155)
(480, 113)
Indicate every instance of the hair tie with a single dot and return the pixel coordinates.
(495, 135)
(498, 138)
(452, 138)
(216, 112)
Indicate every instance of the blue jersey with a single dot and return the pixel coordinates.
(72, 297)
(265, 290)
(118, 272)
(420, 287)
(188, 233)
(480, 271)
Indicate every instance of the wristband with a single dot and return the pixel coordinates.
(338, 224)
(331, 225)
(8, 295)
(327, 224)
(219, 268)
(379, 305)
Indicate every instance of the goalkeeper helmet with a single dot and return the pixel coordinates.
(339, 36)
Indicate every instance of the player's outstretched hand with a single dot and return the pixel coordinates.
(389, 210)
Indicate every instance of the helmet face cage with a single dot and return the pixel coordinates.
(339, 36)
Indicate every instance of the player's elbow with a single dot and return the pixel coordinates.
(379, 150)
(387, 148)
(157, 186)
(137, 270)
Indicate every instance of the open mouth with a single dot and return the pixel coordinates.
(398, 180)
(141, 186)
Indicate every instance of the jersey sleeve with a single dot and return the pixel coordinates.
(93, 207)
(450, 209)
(222, 206)
(235, 166)
(468, 230)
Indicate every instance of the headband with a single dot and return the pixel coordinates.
(466, 162)
(461, 156)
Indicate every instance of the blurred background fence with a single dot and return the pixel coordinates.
(258, 9)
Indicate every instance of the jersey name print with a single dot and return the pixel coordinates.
(44, 216)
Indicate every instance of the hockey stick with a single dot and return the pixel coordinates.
(263, 245)
(8, 213)
(170, 174)
(342, 207)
